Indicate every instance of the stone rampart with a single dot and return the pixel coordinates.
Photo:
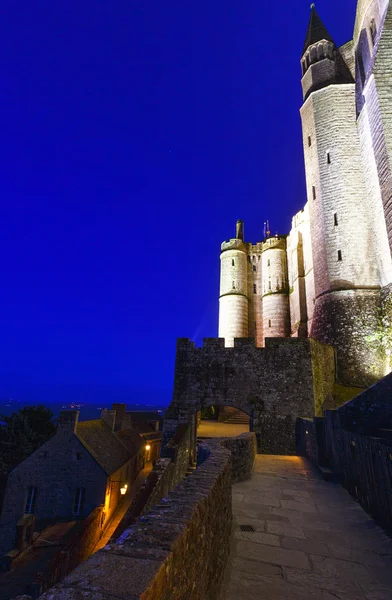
(177, 550)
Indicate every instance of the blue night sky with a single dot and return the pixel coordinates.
(134, 134)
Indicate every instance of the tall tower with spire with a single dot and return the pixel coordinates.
(347, 277)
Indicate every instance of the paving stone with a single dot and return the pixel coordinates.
(259, 538)
(270, 554)
(302, 507)
(284, 529)
(307, 546)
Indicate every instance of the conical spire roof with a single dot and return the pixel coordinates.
(316, 30)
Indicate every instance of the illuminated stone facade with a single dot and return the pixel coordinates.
(331, 276)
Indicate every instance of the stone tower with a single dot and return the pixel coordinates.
(347, 276)
(233, 300)
(372, 53)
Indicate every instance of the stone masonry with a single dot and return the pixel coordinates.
(273, 385)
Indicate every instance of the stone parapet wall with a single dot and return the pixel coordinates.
(243, 451)
(178, 550)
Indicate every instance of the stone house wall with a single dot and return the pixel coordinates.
(56, 469)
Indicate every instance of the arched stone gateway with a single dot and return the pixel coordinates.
(289, 378)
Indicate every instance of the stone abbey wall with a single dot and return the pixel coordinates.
(354, 315)
(288, 378)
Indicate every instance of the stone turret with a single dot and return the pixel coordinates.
(322, 63)
(275, 303)
(233, 301)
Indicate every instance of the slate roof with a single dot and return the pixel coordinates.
(104, 445)
(316, 30)
(131, 439)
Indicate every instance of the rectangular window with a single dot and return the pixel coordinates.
(269, 284)
(233, 285)
(268, 263)
(328, 158)
(254, 268)
(254, 289)
(309, 141)
(314, 192)
(269, 323)
(31, 500)
(361, 68)
(335, 219)
(79, 501)
(232, 263)
(339, 255)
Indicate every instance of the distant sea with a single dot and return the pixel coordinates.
(87, 411)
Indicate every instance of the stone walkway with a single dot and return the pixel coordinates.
(213, 429)
(311, 540)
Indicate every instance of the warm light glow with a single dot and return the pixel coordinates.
(307, 432)
(148, 447)
(123, 490)
(126, 486)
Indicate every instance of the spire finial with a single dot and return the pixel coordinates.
(312, 6)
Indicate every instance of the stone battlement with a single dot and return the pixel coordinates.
(219, 344)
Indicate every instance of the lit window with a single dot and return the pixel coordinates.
(335, 219)
(31, 500)
(339, 255)
(79, 501)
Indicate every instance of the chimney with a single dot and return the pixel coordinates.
(120, 409)
(109, 416)
(68, 421)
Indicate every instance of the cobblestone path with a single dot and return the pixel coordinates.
(311, 540)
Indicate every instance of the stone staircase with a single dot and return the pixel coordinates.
(238, 419)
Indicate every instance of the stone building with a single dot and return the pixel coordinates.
(84, 465)
(305, 319)
(330, 277)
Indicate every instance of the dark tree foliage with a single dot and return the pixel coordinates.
(22, 433)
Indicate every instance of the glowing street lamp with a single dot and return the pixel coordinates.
(148, 447)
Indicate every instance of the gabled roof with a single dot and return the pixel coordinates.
(316, 30)
(104, 445)
(131, 439)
